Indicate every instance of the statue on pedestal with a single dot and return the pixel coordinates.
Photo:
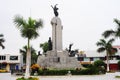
(55, 10)
(49, 44)
(70, 45)
(56, 57)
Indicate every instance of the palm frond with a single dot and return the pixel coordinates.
(22, 51)
(33, 51)
(25, 47)
(30, 33)
(101, 49)
(112, 51)
(99, 44)
(115, 50)
(117, 32)
(19, 21)
(2, 45)
(39, 24)
(102, 43)
(117, 21)
(31, 22)
(41, 45)
(2, 40)
(1, 35)
(111, 41)
(108, 33)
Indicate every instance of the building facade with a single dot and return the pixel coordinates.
(10, 61)
(91, 56)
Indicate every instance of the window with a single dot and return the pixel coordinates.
(102, 58)
(86, 59)
(80, 58)
(2, 57)
(96, 58)
(13, 57)
(91, 59)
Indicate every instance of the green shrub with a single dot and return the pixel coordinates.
(89, 71)
(99, 63)
(52, 72)
(30, 78)
(85, 65)
(117, 76)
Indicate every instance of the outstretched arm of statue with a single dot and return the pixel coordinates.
(52, 6)
(56, 4)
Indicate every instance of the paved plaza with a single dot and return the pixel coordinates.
(109, 76)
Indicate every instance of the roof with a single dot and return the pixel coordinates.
(9, 54)
(94, 54)
(117, 46)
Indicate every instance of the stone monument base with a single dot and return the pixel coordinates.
(58, 60)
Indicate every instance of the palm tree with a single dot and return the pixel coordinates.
(106, 46)
(1, 41)
(44, 47)
(29, 29)
(111, 32)
(23, 51)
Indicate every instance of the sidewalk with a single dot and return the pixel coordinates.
(111, 76)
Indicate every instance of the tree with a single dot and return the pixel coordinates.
(1, 41)
(44, 47)
(29, 29)
(106, 46)
(23, 52)
(111, 32)
(33, 54)
(119, 64)
(99, 63)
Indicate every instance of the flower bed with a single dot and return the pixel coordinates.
(3, 70)
(30, 78)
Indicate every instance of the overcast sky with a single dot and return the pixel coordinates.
(83, 21)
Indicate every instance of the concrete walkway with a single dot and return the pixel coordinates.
(109, 76)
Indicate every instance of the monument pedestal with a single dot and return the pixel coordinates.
(61, 61)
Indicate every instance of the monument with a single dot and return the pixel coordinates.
(56, 30)
(57, 58)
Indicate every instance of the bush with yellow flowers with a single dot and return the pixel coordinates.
(3, 70)
(35, 67)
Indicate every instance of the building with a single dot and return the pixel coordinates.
(11, 61)
(91, 56)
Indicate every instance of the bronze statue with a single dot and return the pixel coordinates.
(49, 44)
(70, 45)
(55, 10)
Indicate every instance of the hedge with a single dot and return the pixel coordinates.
(88, 71)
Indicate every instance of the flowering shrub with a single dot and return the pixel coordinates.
(35, 66)
(3, 70)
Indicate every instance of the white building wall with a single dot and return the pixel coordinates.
(18, 62)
